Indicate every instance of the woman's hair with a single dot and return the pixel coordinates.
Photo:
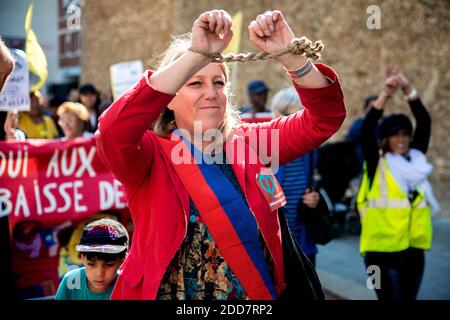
(285, 99)
(89, 88)
(38, 95)
(392, 124)
(166, 120)
(76, 108)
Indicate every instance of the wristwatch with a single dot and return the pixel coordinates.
(412, 95)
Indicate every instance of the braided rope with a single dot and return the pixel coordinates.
(298, 46)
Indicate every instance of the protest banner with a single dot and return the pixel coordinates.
(124, 75)
(49, 190)
(53, 181)
(16, 93)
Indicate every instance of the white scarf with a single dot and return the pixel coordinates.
(412, 175)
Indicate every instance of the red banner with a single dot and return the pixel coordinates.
(53, 181)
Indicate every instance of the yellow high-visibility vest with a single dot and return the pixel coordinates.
(389, 221)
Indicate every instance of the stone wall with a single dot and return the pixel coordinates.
(115, 31)
(413, 36)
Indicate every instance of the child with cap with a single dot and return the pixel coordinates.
(102, 248)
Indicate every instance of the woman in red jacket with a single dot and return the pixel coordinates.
(204, 230)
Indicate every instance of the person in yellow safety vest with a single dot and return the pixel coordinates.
(395, 199)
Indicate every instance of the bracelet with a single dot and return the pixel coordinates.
(413, 95)
(302, 71)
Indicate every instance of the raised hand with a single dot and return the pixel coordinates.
(404, 83)
(311, 198)
(270, 32)
(212, 31)
(10, 125)
(391, 85)
(6, 64)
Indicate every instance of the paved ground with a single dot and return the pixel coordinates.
(331, 296)
(342, 272)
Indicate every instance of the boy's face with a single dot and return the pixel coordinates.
(100, 274)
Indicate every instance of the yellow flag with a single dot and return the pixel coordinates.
(37, 63)
(234, 45)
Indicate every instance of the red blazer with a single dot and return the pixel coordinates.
(157, 199)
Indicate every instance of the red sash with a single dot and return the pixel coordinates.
(228, 218)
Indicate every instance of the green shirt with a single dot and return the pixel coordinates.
(74, 286)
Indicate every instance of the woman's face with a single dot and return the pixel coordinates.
(71, 125)
(399, 142)
(88, 100)
(36, 106)
(202, 98)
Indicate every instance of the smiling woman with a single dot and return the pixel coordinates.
(395, 199)
(205, 94)
(208, 230)
(73, 119)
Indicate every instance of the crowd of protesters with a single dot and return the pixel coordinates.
(67, 120)
(394, 201)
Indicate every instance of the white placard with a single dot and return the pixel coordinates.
(16, 92)
(124, 75)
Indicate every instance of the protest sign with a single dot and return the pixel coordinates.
(16, 92)
(124, 75)
(53, 181)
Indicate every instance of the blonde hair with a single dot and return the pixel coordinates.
(166, 120)
(76, 108)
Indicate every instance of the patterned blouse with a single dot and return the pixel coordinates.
(198, 271)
